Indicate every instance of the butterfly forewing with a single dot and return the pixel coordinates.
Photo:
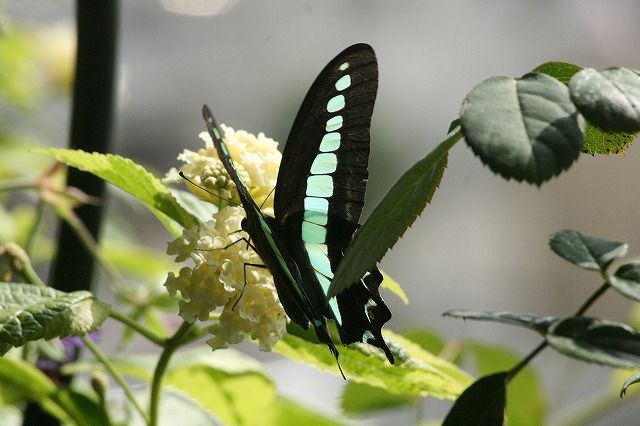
(321, 188)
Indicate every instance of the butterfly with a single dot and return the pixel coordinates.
(318, 200)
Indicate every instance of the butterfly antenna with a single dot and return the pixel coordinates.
(182, 175)
(268, 195)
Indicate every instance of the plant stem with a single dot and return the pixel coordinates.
(31, 236)
(170, 347)
(581, 310)
(150, 335)
(591, 300)
(116, 376)
(18, 184)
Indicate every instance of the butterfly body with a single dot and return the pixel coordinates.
(318, 201)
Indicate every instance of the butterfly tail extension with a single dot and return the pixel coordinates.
(323, 335)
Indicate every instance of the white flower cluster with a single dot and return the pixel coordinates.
(219, 276)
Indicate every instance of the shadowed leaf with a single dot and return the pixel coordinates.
(586, 251)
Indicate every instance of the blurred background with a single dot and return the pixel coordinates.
(482, 244)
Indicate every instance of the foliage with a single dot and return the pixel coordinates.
(529, 129)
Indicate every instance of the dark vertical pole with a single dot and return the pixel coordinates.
(91, 123)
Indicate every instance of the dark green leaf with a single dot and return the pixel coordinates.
(360, 398)
(29, 312)
(525, 394)
(533, 322)
(594, 340)
(586, 251)
(392, 216)
(481, 404)
(526, 129)
(561, 71)
(630, 381)
(627, 280)
(597, 141)
(609, 99)
(454, 126)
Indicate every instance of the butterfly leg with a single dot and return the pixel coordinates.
(244, 273)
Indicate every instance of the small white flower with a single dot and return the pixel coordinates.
(217, 277)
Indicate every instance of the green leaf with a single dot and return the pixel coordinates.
(630, 381)
(130, 177)
(427, 339)
(525, 394)
(360, 398)
(82, 409)
(627, 280)
(561, 71)
(291, 413)
(29, 312)
(392, 216)
(481, 404)
(599, 341)
(533, 322)
(416, 372)
(586, 251)
(526, 129)
(393, 286)
(136, 260)
(597, 141)
(609, 99)
(202, 210)
(21, 381)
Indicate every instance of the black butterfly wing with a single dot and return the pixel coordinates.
(321, 188)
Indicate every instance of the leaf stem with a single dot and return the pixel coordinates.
(591, 300)
(31, 235)
(116, 376)
(581, 310)
(170, 347)
(18, 184)
(150, 335)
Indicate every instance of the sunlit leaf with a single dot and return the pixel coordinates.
(130, 177)
(610, 99)
(393, 286)
(561, 71)
(416, 371)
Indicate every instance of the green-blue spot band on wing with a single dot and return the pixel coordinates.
(330, 142)
(324, 163)
(319, 218)
(320, 186)
(344, 66)
(316, 204)
(333, 304)
(319, 259)
(334, 123)
(336, 103)
(367, 336)
(313, 233)
(216, 133)
(343, 83)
